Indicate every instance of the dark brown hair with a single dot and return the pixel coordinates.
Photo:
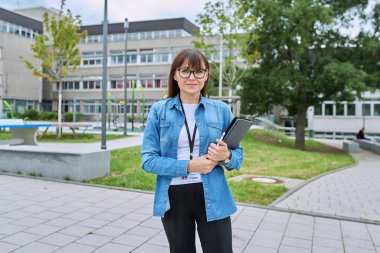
(195, 59)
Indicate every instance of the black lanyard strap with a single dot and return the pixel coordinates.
(191, 140)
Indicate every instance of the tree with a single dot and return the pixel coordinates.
(227, 24)
(57, 50)
(305, 58)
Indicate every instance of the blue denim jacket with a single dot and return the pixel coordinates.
(159, 153)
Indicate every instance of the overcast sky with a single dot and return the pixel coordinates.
(91, 11)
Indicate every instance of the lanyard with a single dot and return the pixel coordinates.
(191, 141)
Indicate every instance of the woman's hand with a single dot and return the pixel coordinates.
(201, 165)
(218, 152)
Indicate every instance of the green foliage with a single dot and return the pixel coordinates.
(226, 22)
(68, 117)
(10, 114)
(50, 116)
(31, 114)
(305, 59)
(57, 49)
(259, 149)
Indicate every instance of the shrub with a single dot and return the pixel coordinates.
(31, 114)
(48, 116)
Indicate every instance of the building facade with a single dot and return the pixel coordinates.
(151, 46)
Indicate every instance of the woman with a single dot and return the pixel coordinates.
(181, 146)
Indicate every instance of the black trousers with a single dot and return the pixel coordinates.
(188, 212)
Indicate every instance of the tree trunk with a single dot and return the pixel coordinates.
(300, 128)
(59, 108)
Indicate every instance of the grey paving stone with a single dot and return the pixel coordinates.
(149, 248)
(17, 214)
(258, 249)
(144, 231)
(110, 231)
(9, 229)
(80, 216)
(4, 220)
(29, 221)
(152, 222)
(328, 242)
(358, 250)
(159, 239)
(92, 210)
(76, 248)
(124, 223)
(272, 226)
(289, 249)
(7, 247)
(94, 240)
(47, 215)
(77, 230)
(137, 216)
(320, 249)
(43, 229)
(131, 240)
(36, 247)
(241, 237)
(114, 248)
(61, 222)
(35, 208)
(93, 223)
(107, 216)
(295, 242)
(58, 239)
(358, 243)
(21, 238)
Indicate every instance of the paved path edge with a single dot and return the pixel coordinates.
(298, 187)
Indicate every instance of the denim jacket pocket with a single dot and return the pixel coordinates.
(165, 131)
(214, 130)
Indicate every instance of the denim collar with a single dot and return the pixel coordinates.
(175, 102)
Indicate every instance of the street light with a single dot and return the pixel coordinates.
(126, 26)
(104, 81)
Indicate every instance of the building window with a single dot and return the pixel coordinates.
(92, 62)
(318, 110)
(92, 85)
(329, 110)
(146, 58)
(339, 109)
(366, 110)
(72, 85)
(376, 110)
(351, 109)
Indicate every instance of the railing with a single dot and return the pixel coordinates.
(290, 131)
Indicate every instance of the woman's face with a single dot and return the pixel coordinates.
(191, 81)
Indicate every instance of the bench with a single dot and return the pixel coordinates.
(76, 162)
(22, 133)
(370, 145)
(72, 125)
(350, 147)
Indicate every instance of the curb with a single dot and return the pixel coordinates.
(301, 185)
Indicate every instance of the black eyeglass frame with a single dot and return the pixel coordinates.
(191, 72)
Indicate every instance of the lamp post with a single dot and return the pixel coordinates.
(126, 26)
(221, 65)
(104, 81)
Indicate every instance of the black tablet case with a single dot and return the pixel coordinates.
(236, 131)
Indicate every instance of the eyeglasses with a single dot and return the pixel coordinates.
(186, 73)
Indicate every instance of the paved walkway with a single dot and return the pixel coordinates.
(40, 216)
(353, 192)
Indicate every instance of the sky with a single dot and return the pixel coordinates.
(91, 11)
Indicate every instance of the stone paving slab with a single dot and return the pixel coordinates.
(352, 192)
(79, 219)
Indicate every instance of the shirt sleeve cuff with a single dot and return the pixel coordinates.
(182, 168)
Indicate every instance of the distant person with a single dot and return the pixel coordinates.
(361, 135)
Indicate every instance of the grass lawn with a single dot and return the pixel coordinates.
(67, 137)
(265, 154)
